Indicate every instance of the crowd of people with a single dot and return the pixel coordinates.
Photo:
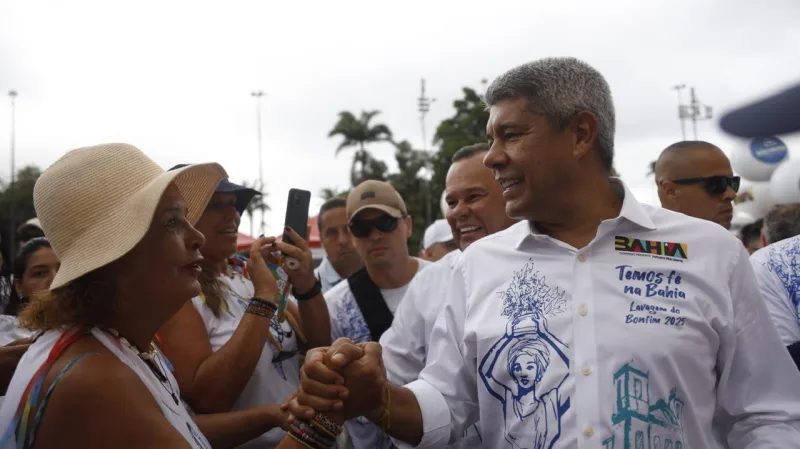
(548, 309)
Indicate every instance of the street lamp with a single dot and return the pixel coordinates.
(12, 240)
(257, 94)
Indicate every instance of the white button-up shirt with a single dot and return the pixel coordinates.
(639, 340)
(405, 344)
(777, 268)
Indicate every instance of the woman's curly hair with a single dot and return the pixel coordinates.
(89, 300)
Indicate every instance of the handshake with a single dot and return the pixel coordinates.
(341, 382)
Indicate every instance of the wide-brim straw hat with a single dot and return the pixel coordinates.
(96, 203)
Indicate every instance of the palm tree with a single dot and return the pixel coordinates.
(258, 203)
(357, 133)
(329, 193)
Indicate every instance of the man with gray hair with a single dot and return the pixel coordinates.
(780, 223)
(597, 321)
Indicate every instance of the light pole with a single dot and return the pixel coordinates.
(681, 113)
(258, 94)
(693, 111)
(423, 106)
(12, 239)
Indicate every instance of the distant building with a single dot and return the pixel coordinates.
(640, 423)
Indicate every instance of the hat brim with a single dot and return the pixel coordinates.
(113, 236)
(771, 116)
(392, 211)
(243, 194)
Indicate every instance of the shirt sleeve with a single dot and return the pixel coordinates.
(404, 342)
(758, 382)
(447, 387)
(779, 305)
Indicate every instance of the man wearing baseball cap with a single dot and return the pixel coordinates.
(437, 241)
(362, 308)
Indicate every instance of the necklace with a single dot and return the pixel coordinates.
(151, 359)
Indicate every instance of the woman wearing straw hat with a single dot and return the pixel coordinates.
(123, 231)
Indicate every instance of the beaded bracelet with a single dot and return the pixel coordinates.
(309, 437)
(258, 306)
(326, 424)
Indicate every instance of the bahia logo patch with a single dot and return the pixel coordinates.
(769, 150)
(652, 248)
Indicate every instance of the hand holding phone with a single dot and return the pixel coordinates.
(296, 219)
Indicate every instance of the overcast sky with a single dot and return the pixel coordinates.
(174, 77)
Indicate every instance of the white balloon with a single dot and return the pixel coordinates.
(757, 159)
(785, 183)
(754, 199)
(443, 203)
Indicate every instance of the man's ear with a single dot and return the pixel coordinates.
(409, 226)
(584, 125)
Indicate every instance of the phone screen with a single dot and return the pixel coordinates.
(297, 213)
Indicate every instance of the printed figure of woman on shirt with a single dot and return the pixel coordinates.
(512, 372)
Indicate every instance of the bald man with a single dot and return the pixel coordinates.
(695, 178)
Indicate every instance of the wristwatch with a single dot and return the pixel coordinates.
(309, 294)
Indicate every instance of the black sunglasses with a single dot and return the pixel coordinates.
(384, 223)
(714, 185)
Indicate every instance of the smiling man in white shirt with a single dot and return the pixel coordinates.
(598, 322)
(475, 209)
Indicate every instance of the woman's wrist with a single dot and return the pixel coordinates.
(267, 295)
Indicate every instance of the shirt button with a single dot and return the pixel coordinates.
(586, 370)
(581, 257)
(588, 432)
(583, 310)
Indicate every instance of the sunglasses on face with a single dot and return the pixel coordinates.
(363, 228)
(714, 185)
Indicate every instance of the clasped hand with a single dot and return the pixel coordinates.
(343, 381)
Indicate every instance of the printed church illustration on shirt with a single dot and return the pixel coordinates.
(640, 423)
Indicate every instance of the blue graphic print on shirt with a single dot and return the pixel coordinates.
(642, 422)
(783, 261)
(351, 322)
(282, 331)
(513, 369)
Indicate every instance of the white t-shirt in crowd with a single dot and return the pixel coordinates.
(347, 321)
(777, 269)
(10, 330)
(276, 375)
(346, 318)
(176, 414)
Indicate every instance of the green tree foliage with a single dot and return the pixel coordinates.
(357, 133)
(20, 197)
(329, 193)
(466, 127)
(413, 189)
(258, 203)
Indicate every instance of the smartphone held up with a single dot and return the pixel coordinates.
(296, 219)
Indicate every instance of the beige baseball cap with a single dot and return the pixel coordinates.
(375, 195)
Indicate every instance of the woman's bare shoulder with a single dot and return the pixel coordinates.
(100, 400)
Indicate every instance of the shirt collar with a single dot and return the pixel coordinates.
(632, 211)
(327, 271)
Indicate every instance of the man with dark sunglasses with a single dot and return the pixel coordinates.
(362, 308)
(695, 178)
